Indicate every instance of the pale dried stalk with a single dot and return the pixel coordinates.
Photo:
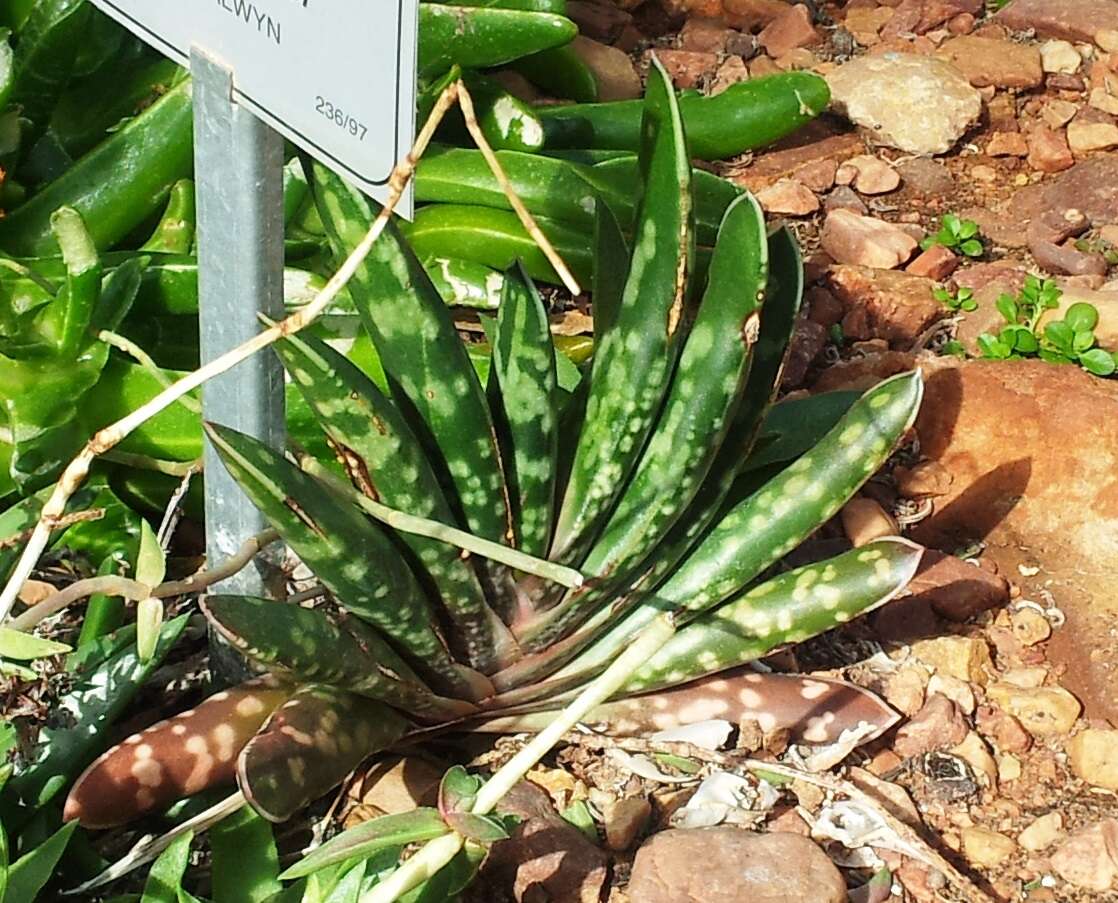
(112, 435)
(112, 585)
(146, 361)
(432, 529)
(437, 853)
(526, 218)
(78, 517)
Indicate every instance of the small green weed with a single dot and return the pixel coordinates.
(962, 300)
(958, 234)
(1069, 340)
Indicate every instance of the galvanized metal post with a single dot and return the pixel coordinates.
(238, 170)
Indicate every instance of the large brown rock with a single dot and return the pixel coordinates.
(1074, 20)
(1033, 452)
(1091, 187)
(727, 865)
(884, 304)
(989, 62)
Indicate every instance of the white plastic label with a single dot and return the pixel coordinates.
(336, 77)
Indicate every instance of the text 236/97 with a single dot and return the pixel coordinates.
(340, 118)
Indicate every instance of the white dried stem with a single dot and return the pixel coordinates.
(145, 360)
(526, 218)
(112, 435)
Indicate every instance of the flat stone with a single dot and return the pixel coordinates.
(865, 241)
(1060, 56)
(626, 820)
(1093, 755)
(613, 69)
(793, 28)
(914, 103)
(938, 725)
(964, 658)
(1002, 729)
(881, 304)
(1007, 144)
(955, 589)
(926, 177)
(991, 63)
(1073, 20)
(1048, 150)
(864, 520)
(1058, 113)
(1084, 137)
(1043, 711)
(1042, 832)
(869, 175)
(936, 263)
(789, 197)
(687, 68)
(986, 848)
(726, 864)
(1089, 858)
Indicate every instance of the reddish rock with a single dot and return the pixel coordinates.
(926, 177)
(1088, 859)
(789, 197)
(752, 15)
(1007, 144)
(961, 24)
(600, 21)
(865, 23)
(1091, 187)
(865, 241)
(1002, 729)
(1085, 137)
(818, 175)
(954, 589)
(938, 725)
(845, 198)
(987, 62)
(1066, 260)
(808, 341)
(884, 304)
(823, 307)
(613, 69)
(868, 174)
(818, 142)
(688, 68)
(1048, 150)
(544, 855)
(726, 864)
(937, 263)
(704, 35)
(1073, 20)
(791, 29)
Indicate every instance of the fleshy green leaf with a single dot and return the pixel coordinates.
(522, 390)
(306, 645)
(367, 838)
(457, 791)
(25, 647)
(478, 828)
(353, 557)
(245, 864)
(427, 366)
(386, 461)
(30, 873)
(790, 608)
(149, 621)
(151, 563)
(1099, 362)
(1082, 317)
(634, 362)
(309, 745)
(165, 878)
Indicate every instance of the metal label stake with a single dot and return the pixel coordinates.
(238, 167)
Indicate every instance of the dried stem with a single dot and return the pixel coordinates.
(110, 436)
(421, 526)
(112, 585)
(78, 517)
(526, 218)
(145, 360)
(437, 853)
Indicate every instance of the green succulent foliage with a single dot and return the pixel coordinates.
(957, 234)
(636, 480)
(959, 301)
(1068, 340)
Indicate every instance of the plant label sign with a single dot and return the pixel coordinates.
(335, 77)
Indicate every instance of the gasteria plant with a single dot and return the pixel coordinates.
(638, 478)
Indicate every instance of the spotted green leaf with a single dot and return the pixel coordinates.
(703, 399)
(386, 462)
(603, 631)
(306, 645)
(369, 837)
(353, 557)
(427, 366)
(309, 744)
(790, 608)
(634, 361)
(522, 389)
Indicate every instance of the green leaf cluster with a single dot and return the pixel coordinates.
(957, 234)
